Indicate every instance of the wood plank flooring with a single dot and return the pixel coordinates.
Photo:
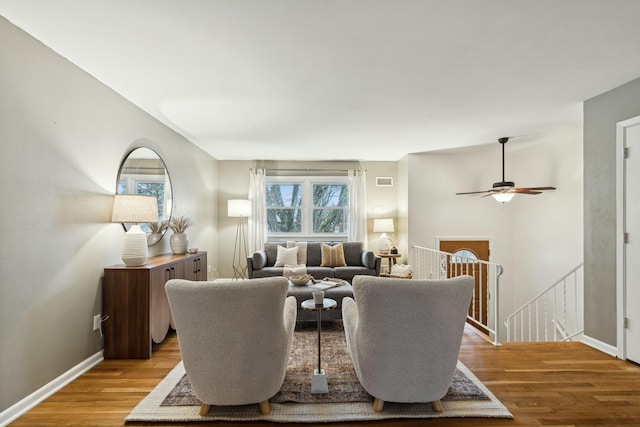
(559, 384)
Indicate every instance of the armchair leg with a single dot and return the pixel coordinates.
(378, 405)
(204, 409)
(265, 409)
(437, 405)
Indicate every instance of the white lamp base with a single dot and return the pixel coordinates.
(134, 250)
(384, 244)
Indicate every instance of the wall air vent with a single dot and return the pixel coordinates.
(384, 181)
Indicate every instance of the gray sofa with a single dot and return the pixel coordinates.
(358, 259)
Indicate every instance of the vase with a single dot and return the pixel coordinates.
(153, 238)
(179, 243)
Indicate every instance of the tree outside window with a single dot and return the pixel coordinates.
(307, 207)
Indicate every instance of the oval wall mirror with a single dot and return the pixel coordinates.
(143, 172)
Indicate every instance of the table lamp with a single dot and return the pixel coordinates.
(134, 209)
(384, 226)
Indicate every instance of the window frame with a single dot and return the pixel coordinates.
(307, 208)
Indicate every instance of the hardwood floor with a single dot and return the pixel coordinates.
(561, 384)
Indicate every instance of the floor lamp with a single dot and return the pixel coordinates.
(240, 209)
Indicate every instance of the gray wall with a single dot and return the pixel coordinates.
(63, 137)
(601, 114)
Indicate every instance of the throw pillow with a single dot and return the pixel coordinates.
(332, 256)
(294, 270)
(302, 250)
(286, 256)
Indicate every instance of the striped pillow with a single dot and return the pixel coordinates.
(333, 256)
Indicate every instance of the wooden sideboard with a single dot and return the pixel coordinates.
(136, 304)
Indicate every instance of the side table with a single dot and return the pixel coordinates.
(319, 384)
(391, 258)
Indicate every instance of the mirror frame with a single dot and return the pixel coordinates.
(165, 205)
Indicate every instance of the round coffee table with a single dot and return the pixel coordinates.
(319, 383)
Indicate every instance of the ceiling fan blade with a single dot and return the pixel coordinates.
(473, 192)
(537, 188)
(526, 191)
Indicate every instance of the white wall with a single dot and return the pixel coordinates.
(64, 136)
(535, 238)
(547, 233)
(233, 179)
(382, 202)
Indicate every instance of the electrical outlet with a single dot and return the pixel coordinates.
(96, 322)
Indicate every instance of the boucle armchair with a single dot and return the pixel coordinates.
(234, 337)
(404, 336)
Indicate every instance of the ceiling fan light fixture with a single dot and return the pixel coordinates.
(503, 197)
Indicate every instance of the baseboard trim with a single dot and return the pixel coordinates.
(599, 345)
(15, 411)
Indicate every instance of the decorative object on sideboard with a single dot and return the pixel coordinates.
(157, 231)
(179, 240)
(134, 209)
(384, 226)
(241, 209)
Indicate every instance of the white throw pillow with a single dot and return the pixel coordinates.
(286, 256)
(302, 250)
(294, 270)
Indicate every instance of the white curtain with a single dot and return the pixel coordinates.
(358, 206)
(258, 218)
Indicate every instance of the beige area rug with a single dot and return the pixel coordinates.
(173, 401)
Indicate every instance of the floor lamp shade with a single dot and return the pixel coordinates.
(134, 209)
(240, 209)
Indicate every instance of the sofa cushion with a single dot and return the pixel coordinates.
(271, 249)
(352, 253)
(314, 253)
(268, 272)
(286, 256)
(333, 256)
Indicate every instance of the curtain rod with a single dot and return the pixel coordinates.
(308, 170)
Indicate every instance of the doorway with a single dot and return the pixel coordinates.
(465, 252)
(628, 239)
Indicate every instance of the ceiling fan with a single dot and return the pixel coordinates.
(504, 191)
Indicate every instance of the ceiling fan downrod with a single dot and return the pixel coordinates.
(503, 183)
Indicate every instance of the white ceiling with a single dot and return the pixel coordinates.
(346, 79)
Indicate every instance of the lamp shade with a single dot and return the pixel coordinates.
(134, 208)
(239, 208)
(384, 225)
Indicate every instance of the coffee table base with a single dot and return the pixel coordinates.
(319, 384)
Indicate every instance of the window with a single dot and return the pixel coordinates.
(464, 256)
(147, 185)
(307, 207)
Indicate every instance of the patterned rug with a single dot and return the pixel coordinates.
(173, 399)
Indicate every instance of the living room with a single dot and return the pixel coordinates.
(65, 134)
